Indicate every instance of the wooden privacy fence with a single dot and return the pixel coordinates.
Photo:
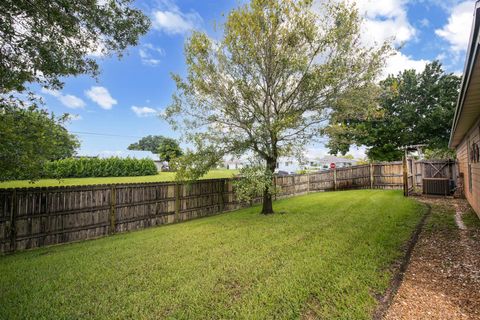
(36, 217)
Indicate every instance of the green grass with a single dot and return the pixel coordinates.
(160, 177)
(327, 255)
(442, 218)
(471, 220)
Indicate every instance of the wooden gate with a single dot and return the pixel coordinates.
(416, 173)
(438, 169)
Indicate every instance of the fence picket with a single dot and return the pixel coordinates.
(33, 217)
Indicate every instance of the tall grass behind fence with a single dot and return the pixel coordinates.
(36, 217)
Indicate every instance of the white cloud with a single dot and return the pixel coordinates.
(358, 152)
(320, 151)
(72, 101)
(385, 20)
(143, 112)
(54, 93)
(101, 96)
(400, 62)
(316, 151)
(68, 100)
(147, 59)
(172, 20)
(97, 50)
(150, 55)
(102, 3)
(457, 30)
(441, 56)
(424, 22)
(75, 117)
(443, 4)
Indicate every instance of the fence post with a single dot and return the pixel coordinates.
(371, 175)
(275, 183)
(422, 166)
(335, 179)
(12, 228)
(308, 182)
(113, 202)
(414, 174)
(351, 177)
(294, 185)
(222, 189)
(405, 177)
(177, 200)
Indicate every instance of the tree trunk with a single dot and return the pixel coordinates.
(267, 207)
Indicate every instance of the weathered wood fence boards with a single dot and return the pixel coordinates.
(36, 217)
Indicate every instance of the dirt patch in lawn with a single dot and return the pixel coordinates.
(442, 280)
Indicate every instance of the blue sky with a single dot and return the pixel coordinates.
(124, 102)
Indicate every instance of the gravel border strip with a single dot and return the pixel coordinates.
(400, 267)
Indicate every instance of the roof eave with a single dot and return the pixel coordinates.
(467, 72)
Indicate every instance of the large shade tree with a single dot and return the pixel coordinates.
(272, 82)
(415, 108)
(42, 41)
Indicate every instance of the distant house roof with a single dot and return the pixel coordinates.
(134, 154)
(468, 110)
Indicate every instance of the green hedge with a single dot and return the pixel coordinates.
(95, 167)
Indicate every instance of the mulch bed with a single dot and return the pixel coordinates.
(442, 280)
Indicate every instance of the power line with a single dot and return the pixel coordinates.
(105, 134)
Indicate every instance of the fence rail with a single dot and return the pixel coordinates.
(36, 217)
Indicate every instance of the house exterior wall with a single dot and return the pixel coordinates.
(469, 167)
(233, 165)
(158, 164)
(289, 164)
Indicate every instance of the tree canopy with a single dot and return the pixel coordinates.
(273, 81)
(166, 148)
(29, 138)
(414, 108)
(42, 41)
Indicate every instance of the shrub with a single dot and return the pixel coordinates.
(95, 167)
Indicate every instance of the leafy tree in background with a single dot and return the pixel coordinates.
(169, 149)
(44, 40)
(414, 108)
(28, 139)
(443, 153)
(166, 148)
(270, 85)
(148, 143)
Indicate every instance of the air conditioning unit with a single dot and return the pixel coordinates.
(436, 186)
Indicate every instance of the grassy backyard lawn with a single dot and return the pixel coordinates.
(160, 177)
(325, 257)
